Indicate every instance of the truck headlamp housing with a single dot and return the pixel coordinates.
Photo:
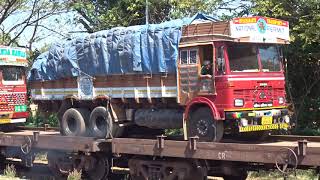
(238, 102)
(281, 100)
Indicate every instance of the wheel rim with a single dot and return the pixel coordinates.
(72, 125)
(202, 127)
(101, 124)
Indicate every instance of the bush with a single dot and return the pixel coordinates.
(39, 121)
(308, 117)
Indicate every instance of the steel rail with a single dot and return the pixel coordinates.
(293, 138)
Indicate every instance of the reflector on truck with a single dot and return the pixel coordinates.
(263, 127)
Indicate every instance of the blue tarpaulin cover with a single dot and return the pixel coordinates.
(144, 49)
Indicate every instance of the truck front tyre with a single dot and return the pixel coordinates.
(202, 124)
(73, 122)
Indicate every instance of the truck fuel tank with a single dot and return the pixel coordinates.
(159, 118)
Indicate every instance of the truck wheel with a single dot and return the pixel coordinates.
(73, 122)
(101, 124)
(202, 124)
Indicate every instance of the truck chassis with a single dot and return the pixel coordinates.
(165, 158)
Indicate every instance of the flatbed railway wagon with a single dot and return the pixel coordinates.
(160, 158)
(206, 76)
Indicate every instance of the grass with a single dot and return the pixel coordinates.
(75, 175)
(41, 157)
(275, 175)
(9, 172)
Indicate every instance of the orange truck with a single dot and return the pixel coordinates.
(206, 76)
(13, 90)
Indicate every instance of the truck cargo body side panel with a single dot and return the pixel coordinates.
(113, 86)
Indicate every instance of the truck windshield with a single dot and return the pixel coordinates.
(12, 73)
(270, 58)
(243, 58)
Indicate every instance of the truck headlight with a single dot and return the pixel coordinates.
(281, 100)
(238, 102)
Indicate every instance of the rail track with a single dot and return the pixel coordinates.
(161, 157)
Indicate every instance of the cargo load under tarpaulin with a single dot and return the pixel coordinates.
(143, 49)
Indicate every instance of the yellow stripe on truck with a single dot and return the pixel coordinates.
(263, 127)
(5, 121)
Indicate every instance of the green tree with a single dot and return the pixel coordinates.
(19, 16)
(303, 65)
(98, 15)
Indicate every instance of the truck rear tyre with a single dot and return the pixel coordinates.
(73, 122)
(202, 124)
(101, 124)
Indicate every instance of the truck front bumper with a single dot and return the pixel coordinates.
(9, 121)
(260, 120)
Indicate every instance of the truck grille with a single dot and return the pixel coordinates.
(254, 94)
(245, 94)
(8, 101)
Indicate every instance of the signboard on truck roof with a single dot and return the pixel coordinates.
(260, 29)
(13, 56)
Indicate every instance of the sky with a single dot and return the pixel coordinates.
(60, 27)
(63, 25)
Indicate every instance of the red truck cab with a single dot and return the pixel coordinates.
(250, 86)
(13, 90)
(245, 90)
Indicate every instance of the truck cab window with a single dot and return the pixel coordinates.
(270, 58)
(243, 58)
(220, 60)
(184, 57)
(188, 56)
(193, 57)
(11, 73)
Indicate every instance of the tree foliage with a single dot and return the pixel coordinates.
(303, 65)
(97, 14)
(19, 16)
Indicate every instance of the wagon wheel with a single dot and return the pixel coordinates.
(54, 164)
(285, 159)
(100, 169)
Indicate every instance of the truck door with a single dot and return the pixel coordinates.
(191, 81)
(188, 70)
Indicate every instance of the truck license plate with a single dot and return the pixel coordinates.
(266, 120)
(4, 121)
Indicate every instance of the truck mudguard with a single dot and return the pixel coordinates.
(205, 101)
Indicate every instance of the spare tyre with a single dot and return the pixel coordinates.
(73, 122)
(101, 124)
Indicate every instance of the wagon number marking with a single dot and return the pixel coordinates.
(221, 155)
